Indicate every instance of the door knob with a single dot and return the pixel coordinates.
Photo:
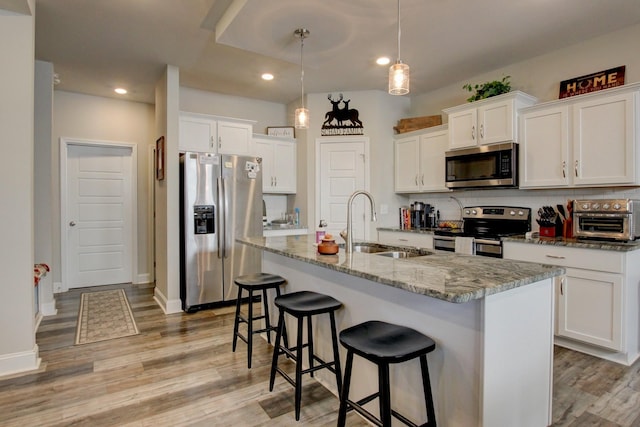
(72, 223)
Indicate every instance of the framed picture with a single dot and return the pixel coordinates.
(160, 158)
(288, 131)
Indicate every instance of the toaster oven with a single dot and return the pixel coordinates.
(609, 219)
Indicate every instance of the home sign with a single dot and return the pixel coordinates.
(592, 82)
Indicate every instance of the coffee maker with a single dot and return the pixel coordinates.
(422, 215)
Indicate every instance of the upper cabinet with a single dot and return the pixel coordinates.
(584, 141)
(278, 163)
(488, 121)
(419, 161)
(212, 134)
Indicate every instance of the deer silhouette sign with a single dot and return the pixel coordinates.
(341, 115)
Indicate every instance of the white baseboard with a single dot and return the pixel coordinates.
(23, 361)
(49, 308)
(168, 306)
(59, 288)
(143, 278)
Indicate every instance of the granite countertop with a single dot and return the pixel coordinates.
(578, 243)
(408, 230)
(553, 241)
(443, 275)
(283, 227)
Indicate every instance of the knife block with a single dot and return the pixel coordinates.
(547, 231)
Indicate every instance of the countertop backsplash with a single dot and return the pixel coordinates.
(449, 208)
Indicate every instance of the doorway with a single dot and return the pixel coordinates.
(98, 213)
(342, 167)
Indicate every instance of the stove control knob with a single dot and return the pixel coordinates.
(512, 213)
(467, 211)
(606, 206)
(595, 206)
(616, 206)
(585, 206)
(520, 213)
(474, 212)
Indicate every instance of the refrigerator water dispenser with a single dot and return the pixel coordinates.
(203, 219)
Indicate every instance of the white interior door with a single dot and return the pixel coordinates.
(342, 170)
(97, 218)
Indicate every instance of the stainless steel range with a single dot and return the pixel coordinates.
(485, 226)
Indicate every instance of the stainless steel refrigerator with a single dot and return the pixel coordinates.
(221, 199)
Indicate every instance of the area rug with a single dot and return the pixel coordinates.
(104, 315)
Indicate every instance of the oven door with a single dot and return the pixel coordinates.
(491, 248)
(444, 243)
(602, 226)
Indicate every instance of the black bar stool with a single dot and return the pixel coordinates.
(255, 282)
(384, 343)
(300, 305)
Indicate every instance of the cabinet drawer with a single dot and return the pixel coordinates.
(402, 238)
(587, 259)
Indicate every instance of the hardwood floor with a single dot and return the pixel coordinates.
(180, 371)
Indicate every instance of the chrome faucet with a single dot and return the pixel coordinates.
(349, 237)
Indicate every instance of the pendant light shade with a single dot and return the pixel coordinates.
(302, 118)
(302, 114)
(399, 72)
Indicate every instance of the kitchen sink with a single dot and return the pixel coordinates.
(388, 250)
(369, 249)
(401, 254)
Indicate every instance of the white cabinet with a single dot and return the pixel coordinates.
(590, 308)
(406, 238)
(212, 134)
(197, 133)
(585, 141)
(488, 121)
(597, 299)
(419, 161)
(234, 137)
(278, 163)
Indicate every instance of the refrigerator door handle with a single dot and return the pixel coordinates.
(221, 220)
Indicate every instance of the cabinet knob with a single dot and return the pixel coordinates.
(575, 168)
(473, 132)
(482, 131)
(564, 169)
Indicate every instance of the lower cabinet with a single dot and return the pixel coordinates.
(596, 300)
(589, 307)
(406, 238)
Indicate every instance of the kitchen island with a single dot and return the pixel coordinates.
(492, 321)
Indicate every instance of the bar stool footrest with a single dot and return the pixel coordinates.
(359, 408)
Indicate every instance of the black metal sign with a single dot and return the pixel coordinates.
(341, 121)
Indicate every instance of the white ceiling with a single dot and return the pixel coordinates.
(225, 45)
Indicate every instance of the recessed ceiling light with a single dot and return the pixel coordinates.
(383, 60)
(267, 76)
(120, 91)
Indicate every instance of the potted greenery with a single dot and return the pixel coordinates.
(488, 89)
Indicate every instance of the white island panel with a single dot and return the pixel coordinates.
(481, 373)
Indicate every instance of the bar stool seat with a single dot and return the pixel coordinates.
(383, 344)
(254, 282)
(301, 305)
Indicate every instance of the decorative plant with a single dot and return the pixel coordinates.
(489, 89)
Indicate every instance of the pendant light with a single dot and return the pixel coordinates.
(302, 114)
(399, 72)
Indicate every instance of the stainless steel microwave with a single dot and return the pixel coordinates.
(484, 166)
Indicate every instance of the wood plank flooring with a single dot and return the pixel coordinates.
(180, 371)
